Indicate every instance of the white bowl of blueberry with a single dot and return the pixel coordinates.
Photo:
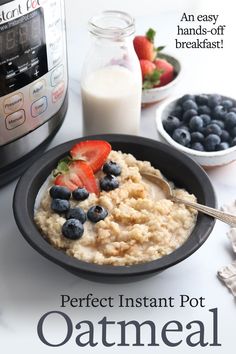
(200, 125)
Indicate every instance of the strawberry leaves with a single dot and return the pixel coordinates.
(150, 34)
(160, 48)
(152, 79)
(62, 166)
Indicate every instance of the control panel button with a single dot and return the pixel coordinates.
(39, 106)
(58, 92)
(23, 69)
(13, 103)
(56, 57)
(55, 41)
(15, 119)
(10, 75)
(36, 72)
(57, 75)
(37, 89)
(34, 61)
(11, 84)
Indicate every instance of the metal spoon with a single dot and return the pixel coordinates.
(164, 185)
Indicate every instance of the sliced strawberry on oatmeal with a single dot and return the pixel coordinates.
(74, 174)
(94, 152)
(86, 175)
(68, 179)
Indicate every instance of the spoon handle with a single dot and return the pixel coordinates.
(225, 217)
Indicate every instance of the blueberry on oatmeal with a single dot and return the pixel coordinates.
(97, 213)
(60, 192)
(60, 206)
(112, 168)
(80, 193)
(76, 213)
(72, 229)
(109, 183)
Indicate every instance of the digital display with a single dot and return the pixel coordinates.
(23, 53)
(21, 37)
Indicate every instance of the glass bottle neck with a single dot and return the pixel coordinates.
(115, 26)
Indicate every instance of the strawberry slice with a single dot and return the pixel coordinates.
(66, 174)
(94, 152)
(74, 174)
(86, 175)
(69, 180)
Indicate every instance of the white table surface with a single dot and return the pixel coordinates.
(30, 285)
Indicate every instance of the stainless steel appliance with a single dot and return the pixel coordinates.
(33, 80)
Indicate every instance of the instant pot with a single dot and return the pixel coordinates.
(33, 80)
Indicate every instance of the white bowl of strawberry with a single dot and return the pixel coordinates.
(160, 72)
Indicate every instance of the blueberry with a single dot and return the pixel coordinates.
(189, 104)
(206, 119)
(202, 99)
(182, 136)
(72, 229)
(218, 122)
(222, 146)
(112, 168)
(97, 213)
(171, 123)
(196, 123)
(197, 137)
(60, 192)
(76, 213)
(186, 98)
(197, 146)
(233, 109)
(225, 136)
(233, 142)
(80, 194)
(214, 100)
(213, 129)
(108, 183)
(185, 127)
(211, 141)
(230, 120)
(177, 112)
(219, 112)
(233, 132)
(204, 110)
(60, 206)
(189, 114)
(227, 104)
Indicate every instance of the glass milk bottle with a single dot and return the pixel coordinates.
(111, 83)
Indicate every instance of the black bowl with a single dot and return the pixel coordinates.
(177, 167)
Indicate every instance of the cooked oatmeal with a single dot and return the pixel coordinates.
(141, 224)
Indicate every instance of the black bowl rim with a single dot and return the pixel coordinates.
(33, 236)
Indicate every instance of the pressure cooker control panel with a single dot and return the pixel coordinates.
(33, 67)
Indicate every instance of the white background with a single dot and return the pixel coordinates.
(30, 285)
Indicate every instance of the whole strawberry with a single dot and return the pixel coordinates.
(167, 72)
(147, 67)
(150, 74)
(144, 46)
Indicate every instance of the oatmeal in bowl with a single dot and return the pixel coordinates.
(111, 214)
(113, 225)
